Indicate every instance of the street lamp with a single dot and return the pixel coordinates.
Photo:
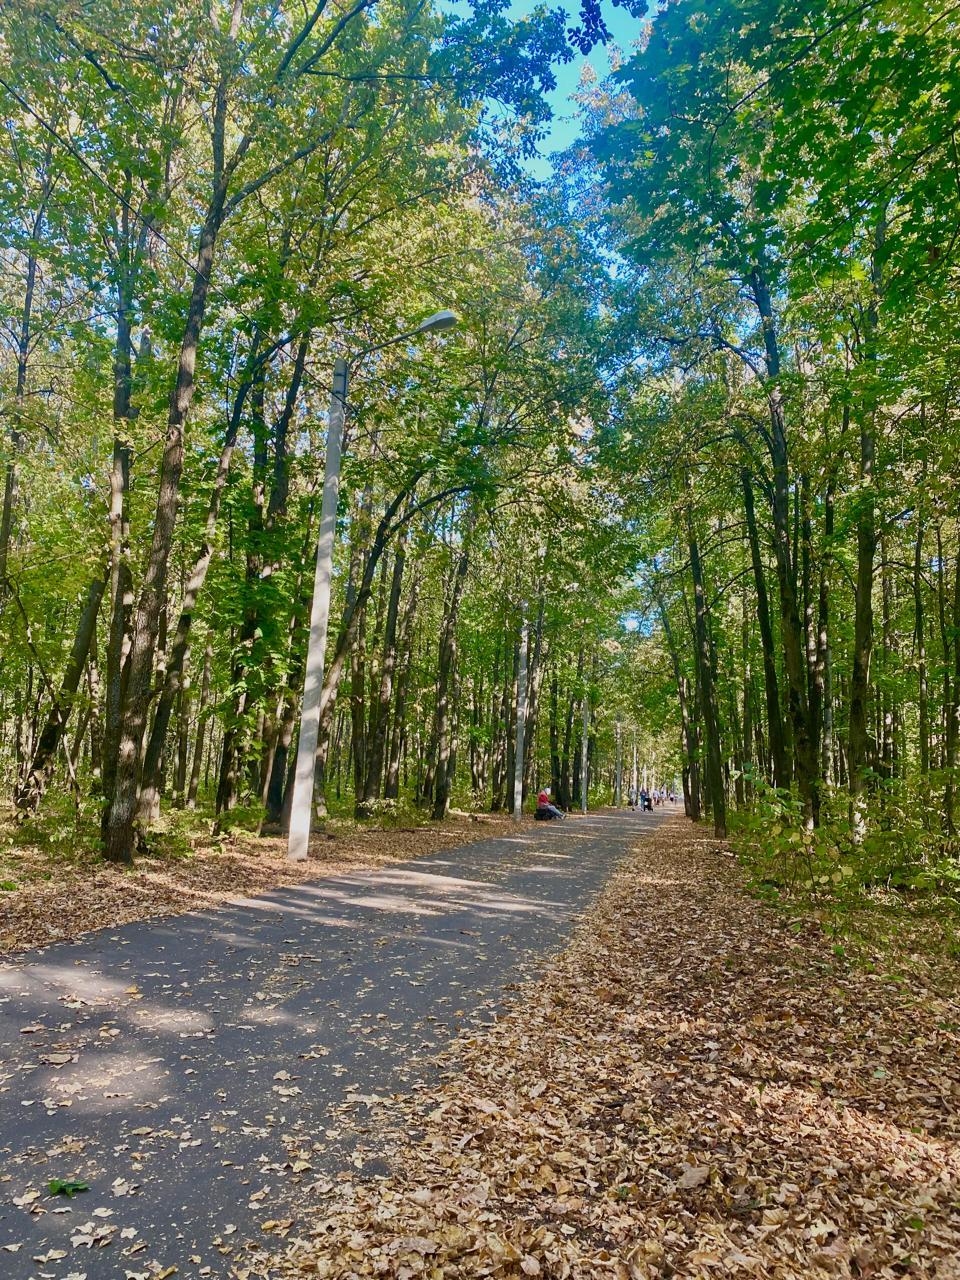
(585, 752)
(521, 717)
(301, 809)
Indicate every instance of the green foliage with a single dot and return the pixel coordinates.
(68, 1187)
(786, 856)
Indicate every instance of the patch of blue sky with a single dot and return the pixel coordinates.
(563, 131)
(625, 30)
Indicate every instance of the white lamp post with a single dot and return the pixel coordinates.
(521, 719)
(585, 752)
(301, 809)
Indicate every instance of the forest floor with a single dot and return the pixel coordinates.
(211, 1077)
(700, 1086)
(54, 887)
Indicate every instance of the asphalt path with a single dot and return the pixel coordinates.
(208, 1073)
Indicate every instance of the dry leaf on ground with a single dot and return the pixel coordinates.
(693, 1090)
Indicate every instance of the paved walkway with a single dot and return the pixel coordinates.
(207, 1073)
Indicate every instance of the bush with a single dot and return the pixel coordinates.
(898, 851)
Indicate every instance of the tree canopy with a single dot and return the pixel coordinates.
(691, 446)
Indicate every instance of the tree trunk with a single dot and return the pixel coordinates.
(778, 754)
(824, 661)
(866, 549)
(391, 786)
(118, 832)
(173, 675)
(858, 733)
(554, 739)
(23, 358)
(446, 683)
(920, 649)
(30, 792)
(804, 746)
(377, 742)
(952, 710)
(706, 681)
(567, 784)
(203, 714)
(691, 773)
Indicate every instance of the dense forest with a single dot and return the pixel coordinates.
(687, 461)
(202, 211)
(781, 183)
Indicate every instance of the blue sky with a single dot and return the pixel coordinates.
(624, 30)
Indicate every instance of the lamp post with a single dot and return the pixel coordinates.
(585, 752)
(521, 719)
(301, 809)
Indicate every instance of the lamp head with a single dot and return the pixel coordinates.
(438, 322)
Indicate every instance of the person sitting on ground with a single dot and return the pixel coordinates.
(546, 811)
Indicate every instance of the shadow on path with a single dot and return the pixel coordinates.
(201, 1072)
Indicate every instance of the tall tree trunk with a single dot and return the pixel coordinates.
(952, 711)
(203, 715)
(857, 751)
(567, 783)
(778, 753)
(184, 711)
(446, 682)
(810, 619)
(554, 738)
(920, 642)
(118, 831)
(691, 773)
(30, 792)
(858, 733)
(824, 659)
(121, 578)
(391, 786)
(804, 745)
(173, 675)
(245, 664)
(377, 742)
(888, 717)
(708, 698)
(500, 717)
(358, 719)
(946, 643)
(747, 695)
(23, 358)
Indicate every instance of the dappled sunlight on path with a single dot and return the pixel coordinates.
(201, 1071)
(697, 1088)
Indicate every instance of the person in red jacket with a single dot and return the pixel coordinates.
(546, 811)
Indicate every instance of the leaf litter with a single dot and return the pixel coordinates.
(693, 1089)
(56, 899)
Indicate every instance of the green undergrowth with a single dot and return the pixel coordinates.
(65, 835)
(889, 902)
